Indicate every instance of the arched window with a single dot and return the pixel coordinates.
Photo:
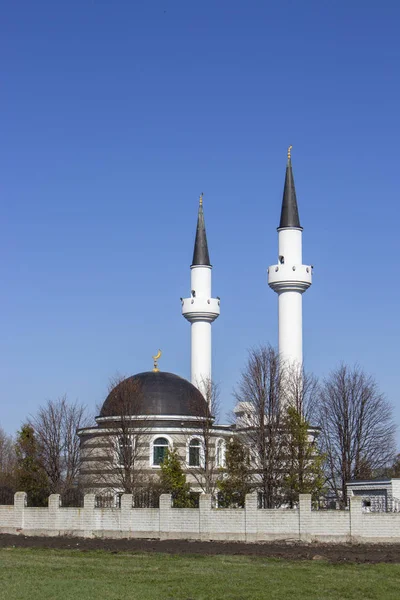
(220, 454)
(194, 453)
(160, 447)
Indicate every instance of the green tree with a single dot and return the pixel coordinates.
(173, 481)
(304, 463)
(235, 483)
(30, 475)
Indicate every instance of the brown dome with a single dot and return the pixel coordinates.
(155, 393)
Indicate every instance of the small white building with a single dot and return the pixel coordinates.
(379, 495)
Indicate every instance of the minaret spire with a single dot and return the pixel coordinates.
(289, 212)
(200, 253)
(201, 309)
(290, 278)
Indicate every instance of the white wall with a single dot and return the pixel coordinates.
(205, 523)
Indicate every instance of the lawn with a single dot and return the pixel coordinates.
(33, 574)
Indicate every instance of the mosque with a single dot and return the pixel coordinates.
(148, 413)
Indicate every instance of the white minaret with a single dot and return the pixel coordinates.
(201, 309)
(290, 278)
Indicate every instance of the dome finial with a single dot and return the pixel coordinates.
(201, 199)
(289, 152)
(156, 358)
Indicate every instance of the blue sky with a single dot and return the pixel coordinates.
(116, 115)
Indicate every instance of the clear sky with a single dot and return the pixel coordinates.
(115, 115)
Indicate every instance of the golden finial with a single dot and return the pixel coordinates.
(289, 151)
(155, 358)
(201, 199)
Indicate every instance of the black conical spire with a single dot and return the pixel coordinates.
(200, 254)
(290, 212)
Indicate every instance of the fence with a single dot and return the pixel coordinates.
(142, 499)
(73, 497)
(146, 499)
(107, 500)
(204, 523)
(6, 495)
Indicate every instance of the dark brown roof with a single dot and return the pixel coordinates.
(289, 212)
(154, 393)
(200, 253)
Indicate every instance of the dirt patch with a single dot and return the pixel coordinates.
(336, 553)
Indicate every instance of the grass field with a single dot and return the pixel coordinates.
(71, 574)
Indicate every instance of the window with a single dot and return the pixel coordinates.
(220, 454)
(194, 453)
(160, 447)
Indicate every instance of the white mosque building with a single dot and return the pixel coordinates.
(148, 413)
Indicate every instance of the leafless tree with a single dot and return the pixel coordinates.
(8, 458)
(203, 456)
(260, 421)
(357, 427)
(300, 390)
(75, 418)
(55, 425)
(125, 431)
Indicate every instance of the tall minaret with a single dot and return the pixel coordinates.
(201, 309)
(290, 278)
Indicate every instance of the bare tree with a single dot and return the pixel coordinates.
(117, 464)
(300, 390)
(8, 458)
(75, 418)
(260, 420)
(55, 425)
(357, 427)
(203, 463)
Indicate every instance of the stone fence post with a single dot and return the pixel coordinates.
(20, 501)
(165, 515)
(126, 512)
(204, 516)
(54, 507)
(88, 514)
(251, 507)
(305, 517)
(355, 518)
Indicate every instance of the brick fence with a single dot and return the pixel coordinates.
(203, 523)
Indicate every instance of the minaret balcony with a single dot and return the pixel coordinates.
(286, 277)
(200, 309)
